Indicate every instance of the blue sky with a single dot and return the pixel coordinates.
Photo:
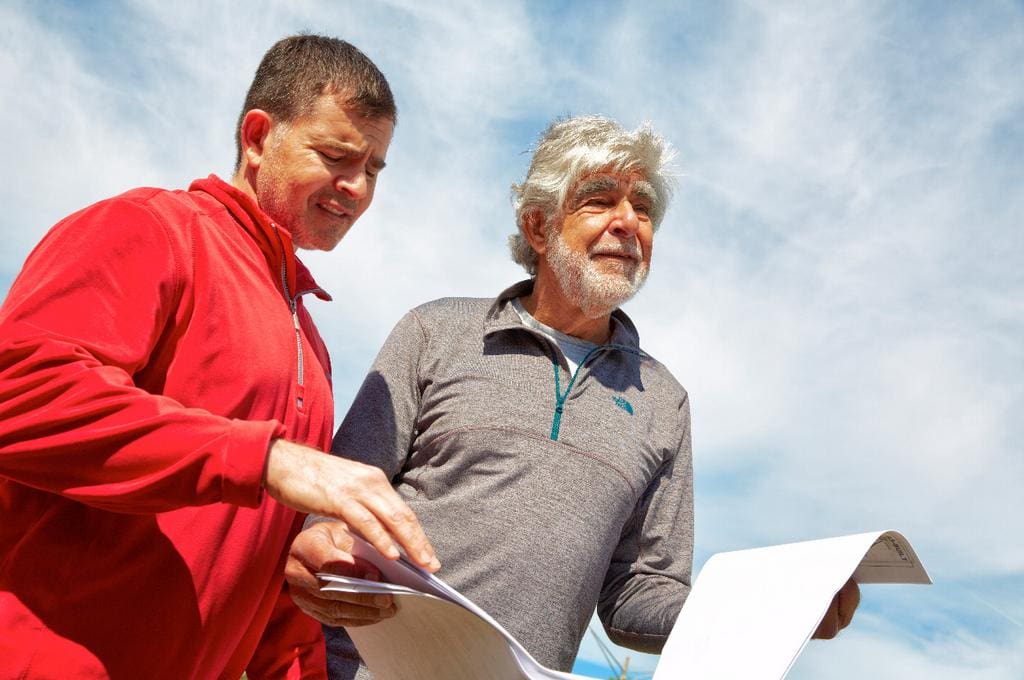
(839, 282)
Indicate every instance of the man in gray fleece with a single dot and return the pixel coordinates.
(546, 455)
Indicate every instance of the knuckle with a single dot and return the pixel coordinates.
(291, 573)
(401, 515)
(358, 514)
(375, 477)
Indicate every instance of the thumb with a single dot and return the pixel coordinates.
(324, 546)
(342, 543)
(337, 535)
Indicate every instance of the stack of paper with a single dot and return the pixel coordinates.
(748, 616)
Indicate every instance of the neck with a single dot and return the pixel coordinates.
(244, 180)
(548, 304)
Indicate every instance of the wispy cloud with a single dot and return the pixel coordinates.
(839, 284)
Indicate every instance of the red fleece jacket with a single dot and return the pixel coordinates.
(150, 349)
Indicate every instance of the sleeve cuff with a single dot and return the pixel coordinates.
(244, 460)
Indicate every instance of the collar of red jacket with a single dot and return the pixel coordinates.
(273, 240)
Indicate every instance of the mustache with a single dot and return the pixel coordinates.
(346, 203)
(630, 249)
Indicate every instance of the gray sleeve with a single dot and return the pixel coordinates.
(378, 430)
(649, 575)
(381, 422)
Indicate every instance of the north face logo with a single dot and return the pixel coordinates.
(623, 404)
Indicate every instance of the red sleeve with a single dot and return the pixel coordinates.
(82, 318)
(292, 645)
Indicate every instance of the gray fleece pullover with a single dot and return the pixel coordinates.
(543, 493)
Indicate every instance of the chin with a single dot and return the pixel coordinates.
(318, 241)
(320, 245)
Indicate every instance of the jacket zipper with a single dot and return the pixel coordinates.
(560, 397)
(294, 307)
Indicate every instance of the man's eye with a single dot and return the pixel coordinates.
(335, 158)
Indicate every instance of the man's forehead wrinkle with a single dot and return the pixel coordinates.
(327, 139)
(348, 148)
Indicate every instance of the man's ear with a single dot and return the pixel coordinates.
(253, 134)
(535, 230)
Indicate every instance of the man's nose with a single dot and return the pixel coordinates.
(354, 184)
(625, 222)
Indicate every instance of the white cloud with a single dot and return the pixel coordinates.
(839, 284)
(856, 655)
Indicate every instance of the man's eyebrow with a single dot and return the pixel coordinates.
(337, 149)
(328, 140)
(347, 150)
(644, 189)
(594, 185)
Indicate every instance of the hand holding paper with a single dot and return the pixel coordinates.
(306, 480)
(772, 599)
(327, 547)
(840, 612)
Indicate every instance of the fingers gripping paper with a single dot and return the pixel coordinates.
(437, 632)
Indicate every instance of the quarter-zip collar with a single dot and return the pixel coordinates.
(273, 240)
(503, 317)
(275, 243)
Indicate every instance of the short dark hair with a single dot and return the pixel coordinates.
(300, 68)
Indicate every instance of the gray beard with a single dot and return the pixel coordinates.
(596, 293)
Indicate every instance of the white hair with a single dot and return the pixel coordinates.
(572, 148)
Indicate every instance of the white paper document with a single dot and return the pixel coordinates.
(751, 612)
(437, 632)
(748, 616)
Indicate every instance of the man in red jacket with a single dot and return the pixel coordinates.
(165, 399)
